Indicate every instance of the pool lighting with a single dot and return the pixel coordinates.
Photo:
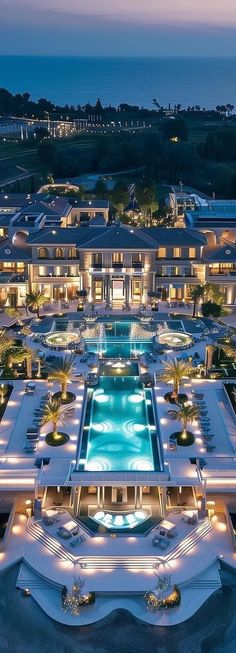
(135, 398)
(102, 399)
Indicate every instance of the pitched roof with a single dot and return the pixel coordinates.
(176, 237)
(8, 252)
(222, 254)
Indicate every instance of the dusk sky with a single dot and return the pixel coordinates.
(118, 27)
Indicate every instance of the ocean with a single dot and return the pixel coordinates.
(77, 80)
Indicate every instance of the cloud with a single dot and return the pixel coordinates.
(179, 12)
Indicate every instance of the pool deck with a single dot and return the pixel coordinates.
(120, 569)
(195, 572)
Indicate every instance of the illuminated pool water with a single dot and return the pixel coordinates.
(121, 339)
(175, 339)
(119, 431)
(61, 339)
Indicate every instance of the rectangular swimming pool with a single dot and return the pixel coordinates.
(119, 432)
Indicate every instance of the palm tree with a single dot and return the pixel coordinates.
(197, 293)
(34, 301)
(61, 372)
(175, 371)
(52, 414)
(15, 355)
(187, 415)
(6, 341)
(3, 392)
(14, 313)
(31, 355)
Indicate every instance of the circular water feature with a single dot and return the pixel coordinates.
(175, 339)
(61, 339)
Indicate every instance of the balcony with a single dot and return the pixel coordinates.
(137, 265)
(12, 277)
(221, 275)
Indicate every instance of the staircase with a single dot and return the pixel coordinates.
(50, 543)
(189, 542)
(211, 583)
(119, 562)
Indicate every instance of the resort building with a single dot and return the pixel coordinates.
(116, 263)
(131, 483)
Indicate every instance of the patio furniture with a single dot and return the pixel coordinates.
(189, 516)
(167, 528)
(30, 387)
(71, 527)
(51, 517)
(63, 533)
(161, 542)
(172, 446)
(78, 541)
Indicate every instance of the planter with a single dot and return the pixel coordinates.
(58, 440)
(183, 442)
(70, 397)
(181, 399)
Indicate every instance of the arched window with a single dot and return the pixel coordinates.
(59, 252)
(43, 252)
(73, 252)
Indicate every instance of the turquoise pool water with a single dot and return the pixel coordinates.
(121, 339)
(119, 431)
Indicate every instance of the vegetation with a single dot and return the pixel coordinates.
(52, 415)
(61, 372)
(34, 301)
(174, 372)
(197, 293)
(211, 309)
(187, 415)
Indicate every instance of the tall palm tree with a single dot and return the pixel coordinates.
(187, 415)
(3, 392)
(197, 293)
(61, 372)
(52, 415)
(6, 341)
(31, 355)
(175, 371)
(34, 301)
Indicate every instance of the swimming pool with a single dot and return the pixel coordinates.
(121, 339)
(119, 431)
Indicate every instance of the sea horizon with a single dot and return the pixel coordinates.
(78, 79)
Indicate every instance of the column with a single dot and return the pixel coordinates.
(103, 496)
(127, 288)
(135, 496)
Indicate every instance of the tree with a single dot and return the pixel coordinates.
(145, 193)
(52, 414)
(101, 189)
(34, 301)
(3, 392)
(213, 293)
(61, 372)
(174, 372)
(196, 294)
(120, 197)
(6, 342)
(211, 309)
(187, 415)
(175, 128)
(14, 312)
